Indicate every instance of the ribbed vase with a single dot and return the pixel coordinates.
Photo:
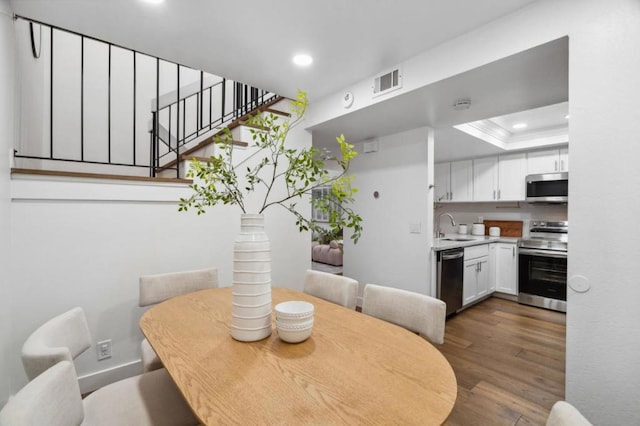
(251, 309)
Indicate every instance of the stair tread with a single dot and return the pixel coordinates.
(277, 112)
(61, 173)
(255, 126)
(235, 123)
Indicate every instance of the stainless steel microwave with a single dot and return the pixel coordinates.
(548, 188)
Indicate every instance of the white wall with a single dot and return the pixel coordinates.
(603, 340)
(388, 254)
(85, 243)
(7, 79)
(35, 85)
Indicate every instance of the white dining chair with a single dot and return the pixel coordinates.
(419, 313)
(52, 398)
(160, 287)
(62, 338)
(564, 414)
(146, 399)
(333, 288)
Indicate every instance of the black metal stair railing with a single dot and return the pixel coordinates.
(174, 136)
(180, 116)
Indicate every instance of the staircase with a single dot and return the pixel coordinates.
(203, 147)
(140, 116)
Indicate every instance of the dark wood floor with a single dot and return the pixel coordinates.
(509, 362)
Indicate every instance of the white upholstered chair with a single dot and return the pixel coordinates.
(565, 414)
(52, 398)
(147, 399)
(62, 338)
(415, 312)
(158, 288)
(334, 288)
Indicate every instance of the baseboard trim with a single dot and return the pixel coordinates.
(92, 381)
(505, 296)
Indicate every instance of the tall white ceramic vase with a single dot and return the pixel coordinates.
(251, 309)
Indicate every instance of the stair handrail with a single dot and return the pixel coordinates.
(233, 103)
(245, 99)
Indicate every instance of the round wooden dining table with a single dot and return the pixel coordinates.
(354, 369)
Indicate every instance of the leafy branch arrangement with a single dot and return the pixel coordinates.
(299, 171)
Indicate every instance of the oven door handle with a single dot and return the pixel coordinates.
(543, 253)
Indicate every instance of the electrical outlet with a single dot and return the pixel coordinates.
(104, 349)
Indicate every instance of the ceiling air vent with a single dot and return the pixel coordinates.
(387, 82)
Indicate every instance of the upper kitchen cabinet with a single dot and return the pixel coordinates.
(441, 178)
(564, 159)
(485, 179)
(454, 181)
(548, 161)
(512, 170)
(499, 178)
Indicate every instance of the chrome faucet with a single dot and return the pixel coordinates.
(440, 234)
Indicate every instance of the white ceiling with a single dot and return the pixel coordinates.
(253, 41)
(547, 117)
(531, 79)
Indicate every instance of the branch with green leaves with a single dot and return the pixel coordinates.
(298, 171)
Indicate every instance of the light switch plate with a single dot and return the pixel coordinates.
(415, 228)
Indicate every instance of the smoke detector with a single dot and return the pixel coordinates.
(462, 104)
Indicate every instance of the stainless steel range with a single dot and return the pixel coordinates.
(542, 265)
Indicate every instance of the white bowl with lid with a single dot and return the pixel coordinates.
(294, 312)
(294, 333)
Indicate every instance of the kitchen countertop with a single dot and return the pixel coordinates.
(440, 244)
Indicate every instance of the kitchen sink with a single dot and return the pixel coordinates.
(458, 239)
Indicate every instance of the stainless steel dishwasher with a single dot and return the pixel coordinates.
(450, 278)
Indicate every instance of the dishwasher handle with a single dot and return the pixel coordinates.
(451, 256)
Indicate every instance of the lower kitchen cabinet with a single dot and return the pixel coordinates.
(476, 274)
(506, 268)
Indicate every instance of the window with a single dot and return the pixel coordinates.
(323, 193)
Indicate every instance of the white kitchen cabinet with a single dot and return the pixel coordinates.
(499, 178)
(548, 161)
(485, 179)
(453, 181)
(512, 170)
(506, 268)
(476, 274)
(441, 178)
(492, 267)
(564, 159)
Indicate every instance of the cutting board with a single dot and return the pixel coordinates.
(508, 228)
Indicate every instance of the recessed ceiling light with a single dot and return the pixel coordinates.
(566, 116)
(154, 1)
(302, 60)
(520, 126)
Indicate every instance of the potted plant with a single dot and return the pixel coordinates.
(279, 176)
(299, 171)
